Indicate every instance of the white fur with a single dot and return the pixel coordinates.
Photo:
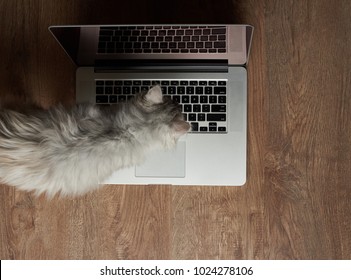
(71, 152)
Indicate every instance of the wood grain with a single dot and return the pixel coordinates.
(297, 200)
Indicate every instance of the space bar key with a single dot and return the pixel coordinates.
(216, 117)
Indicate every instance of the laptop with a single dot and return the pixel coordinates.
(203, 67)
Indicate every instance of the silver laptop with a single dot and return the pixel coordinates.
(200, 66)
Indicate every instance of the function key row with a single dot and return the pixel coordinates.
(160, 82)
(158, 27)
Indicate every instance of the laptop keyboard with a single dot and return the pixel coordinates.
(203, 102)
(162, 39)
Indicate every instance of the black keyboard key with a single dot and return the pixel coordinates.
(113, 98)
(206, 108)
(185, 99)
(162, 33)
(219, 31)
(199, 45)
(159, 39)
(117, 90)
(176, 98)
(181, 90)
(194, 99)
(135, 90)
(192, 117)
(190, 90)
(213, 38)
(221, 129)
(108, 90)
(216, 117)
(199, 90)
(222, 83)
(213, 99)
(208, 45)
(201, 117)
(99, 83)
(127, 90)
(208, 90)
(146, 45)
(220, 90)
(187, 108)
(218, 108)
(203, 128)
(219, 45)
(197, 108)
(101, 99)
(203, 99)
(222, 99)
(194, 126)
(170, 32)
(99, 90)
(172, 90)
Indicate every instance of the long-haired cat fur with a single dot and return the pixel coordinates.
(71, 150)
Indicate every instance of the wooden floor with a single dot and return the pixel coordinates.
(297, 200)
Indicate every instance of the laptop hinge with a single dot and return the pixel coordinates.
(103, 66)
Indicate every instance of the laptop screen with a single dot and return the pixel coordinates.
(88, 44)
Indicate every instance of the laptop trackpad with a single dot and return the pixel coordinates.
(164, 164)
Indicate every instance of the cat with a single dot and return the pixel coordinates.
(70, 150)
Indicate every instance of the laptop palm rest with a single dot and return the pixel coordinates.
(164, 164)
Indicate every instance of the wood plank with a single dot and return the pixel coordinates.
(297, 200)
(308, 128)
